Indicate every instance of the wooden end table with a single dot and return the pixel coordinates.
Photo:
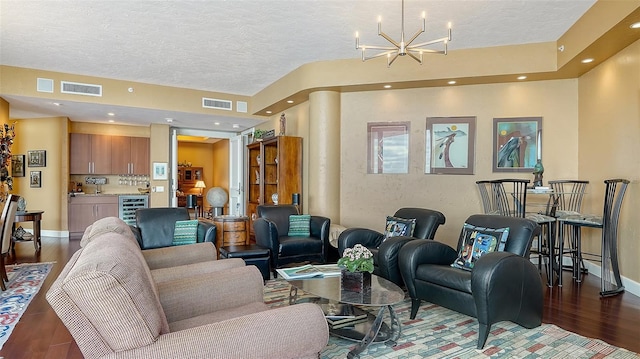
(231, 230)
(34, 216)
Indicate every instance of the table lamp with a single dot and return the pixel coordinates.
(201, 185)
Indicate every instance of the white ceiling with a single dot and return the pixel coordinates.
(240, 46)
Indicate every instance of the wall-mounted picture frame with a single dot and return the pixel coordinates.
(17, 166)
(517, 143)
(37, 158)
(35, 179)
(450, 145)
(160, 171)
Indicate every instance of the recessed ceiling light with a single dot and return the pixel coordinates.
(169, 119)
(56, 103)
(217, 123)
(586, 61)
(112, 121)
(387, 86)
(290, 101)
(451, 82)
(235, 125)
(269, 112)
(111, 114)
(522, 77)
(635, 25)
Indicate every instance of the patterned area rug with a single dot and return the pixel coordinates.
(438, 332)
(25, 281)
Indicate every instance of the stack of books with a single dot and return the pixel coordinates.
(343, 315)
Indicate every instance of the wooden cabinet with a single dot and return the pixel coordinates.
(231, 231)
(90, 154)
(105, 155)
(274, 168)
(86, 209)
(188, 176)
(130, 155)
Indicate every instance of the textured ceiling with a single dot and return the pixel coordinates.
(242, 46)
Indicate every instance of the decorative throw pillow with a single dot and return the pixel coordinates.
(299, 225)
(399, 227)
(477, 241)
(185, 232)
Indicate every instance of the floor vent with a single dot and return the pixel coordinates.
(217, 104)
(80, 89)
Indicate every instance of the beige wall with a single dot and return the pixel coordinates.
(609, 129)
(200, 155)
(367, 198)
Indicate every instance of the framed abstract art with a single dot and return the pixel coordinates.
(516, 143)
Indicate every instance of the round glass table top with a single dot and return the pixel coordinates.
(381, 292)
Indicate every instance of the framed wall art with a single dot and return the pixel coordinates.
(516, 143)
(37, 158)
(160, 171)
(17, 166)
(35, 179)
(388, 147)
(450, 145)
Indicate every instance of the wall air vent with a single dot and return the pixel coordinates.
(217, 104)
(44, 85)
(241, 106)
(76, 88)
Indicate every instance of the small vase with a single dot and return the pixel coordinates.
(355, 281)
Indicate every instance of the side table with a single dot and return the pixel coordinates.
(29, 216)
(231, 230)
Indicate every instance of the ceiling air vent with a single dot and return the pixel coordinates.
(217, 104)
(76, 88)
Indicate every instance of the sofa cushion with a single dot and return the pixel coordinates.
(299, 225)
(106, 225)
(185, 232)
(478, 241)
(396, 226)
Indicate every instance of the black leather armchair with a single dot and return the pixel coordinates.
(155, 226)
(385, 253)
(501, 286)
(271, 230)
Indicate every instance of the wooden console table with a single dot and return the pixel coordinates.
(29, 216)
(231, 230)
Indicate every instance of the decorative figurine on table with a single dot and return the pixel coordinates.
(538, 170)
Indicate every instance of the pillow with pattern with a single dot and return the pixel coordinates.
(185, 232)
(476, 241)
(396, 227)
(299, 225)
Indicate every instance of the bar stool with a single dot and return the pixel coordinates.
(608, 223)
(192, 203)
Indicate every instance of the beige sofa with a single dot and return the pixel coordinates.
(116, 306)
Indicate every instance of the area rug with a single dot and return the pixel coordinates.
(438, 332)
(25, 281)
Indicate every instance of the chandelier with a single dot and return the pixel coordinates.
(403, 47)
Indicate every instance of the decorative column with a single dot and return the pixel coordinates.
(324, 154)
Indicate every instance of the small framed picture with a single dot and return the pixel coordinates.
(37, 158)
(17, 165)
(35, 179)
(160, 171)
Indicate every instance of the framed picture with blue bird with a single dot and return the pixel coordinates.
(517, 144)
(450, 145)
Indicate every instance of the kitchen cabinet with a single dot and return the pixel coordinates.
(130, 155)
(86, 209)
(274, 172)
(90, 154)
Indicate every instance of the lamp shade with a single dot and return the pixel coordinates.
(200, 184)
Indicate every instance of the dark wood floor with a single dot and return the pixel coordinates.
(577, 308)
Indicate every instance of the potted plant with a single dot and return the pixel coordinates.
(357, 266)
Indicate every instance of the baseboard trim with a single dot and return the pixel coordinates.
(49, 233)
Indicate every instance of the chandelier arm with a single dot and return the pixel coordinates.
(380, 55)
(418, 33)
(386, 48)
(386, 37)
(428, 51)
(441, 40)
(391, 60)
(419, 60)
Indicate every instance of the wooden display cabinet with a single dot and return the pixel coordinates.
(274, 167)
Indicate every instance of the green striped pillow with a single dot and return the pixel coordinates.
(299, 225)
(185, 232)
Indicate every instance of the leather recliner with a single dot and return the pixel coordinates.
(271, 231)
(501, 286)
(385, 252)
(155, 227)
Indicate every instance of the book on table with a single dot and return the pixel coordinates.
(342, 315)
(309, 271)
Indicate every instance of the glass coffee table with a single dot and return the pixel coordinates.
(381, 293)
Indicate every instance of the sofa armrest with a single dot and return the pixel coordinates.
(136, 233)
(206, 231)
(266, 233)
(173, 256)
(507, 286)
(205, 293)
(387, 258)
(422, 251)
(296, 331)
(162, 275)
(352, 236)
